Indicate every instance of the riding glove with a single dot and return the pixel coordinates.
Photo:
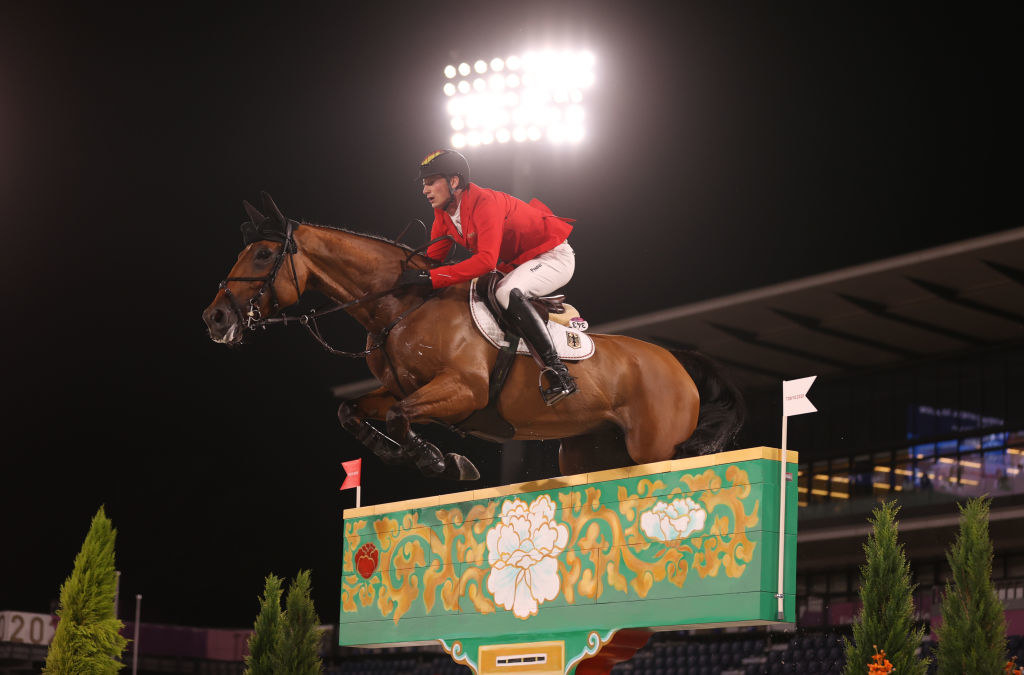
(415, 278)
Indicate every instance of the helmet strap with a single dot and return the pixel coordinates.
(451, 194)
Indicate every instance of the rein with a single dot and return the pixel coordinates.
(253, 319)
(309, 322)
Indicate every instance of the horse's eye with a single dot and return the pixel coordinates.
(263, 254)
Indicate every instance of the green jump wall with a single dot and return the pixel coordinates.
(685, 543)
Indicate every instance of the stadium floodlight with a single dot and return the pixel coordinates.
(519, 98)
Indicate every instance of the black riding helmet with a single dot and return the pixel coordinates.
(445, 163)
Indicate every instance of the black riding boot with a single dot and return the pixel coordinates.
(527, 322)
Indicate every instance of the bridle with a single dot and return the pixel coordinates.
(253, 319)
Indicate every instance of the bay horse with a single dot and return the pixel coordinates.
(636, 401)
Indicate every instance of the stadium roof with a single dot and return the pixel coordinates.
(938, 301)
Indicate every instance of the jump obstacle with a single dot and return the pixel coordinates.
(572, 574)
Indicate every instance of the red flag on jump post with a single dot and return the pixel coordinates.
(353, 470)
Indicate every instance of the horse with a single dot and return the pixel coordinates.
(637, 402)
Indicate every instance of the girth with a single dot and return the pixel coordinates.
(487, 422)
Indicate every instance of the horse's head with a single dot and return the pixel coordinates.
(264, 280)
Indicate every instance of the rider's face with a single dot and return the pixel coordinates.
(435, 189)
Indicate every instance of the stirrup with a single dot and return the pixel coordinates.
(566, 386)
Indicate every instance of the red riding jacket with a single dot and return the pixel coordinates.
(501, 231)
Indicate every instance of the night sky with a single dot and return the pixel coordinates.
(729, 146)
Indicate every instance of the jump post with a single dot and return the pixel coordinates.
(572, 574)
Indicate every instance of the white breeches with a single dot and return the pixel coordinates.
(540, 276)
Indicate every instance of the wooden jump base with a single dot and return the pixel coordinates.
(571, 574)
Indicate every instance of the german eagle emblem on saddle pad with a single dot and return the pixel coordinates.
(572, 345)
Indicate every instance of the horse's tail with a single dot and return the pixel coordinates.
(722, 409)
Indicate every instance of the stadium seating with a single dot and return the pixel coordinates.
(667, 654)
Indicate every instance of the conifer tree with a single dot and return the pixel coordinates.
(265, 641)
(88, 639)
(301, 637)
(972, 637)
(886, 619)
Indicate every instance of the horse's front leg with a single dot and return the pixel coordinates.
(446, 396)
(374, 405)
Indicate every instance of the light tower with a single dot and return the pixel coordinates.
(517, 101)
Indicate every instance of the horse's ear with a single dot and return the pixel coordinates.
(271, 208)
(254, 215)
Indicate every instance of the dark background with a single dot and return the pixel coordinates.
(730, 146)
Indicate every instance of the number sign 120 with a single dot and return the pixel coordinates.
(36, 629)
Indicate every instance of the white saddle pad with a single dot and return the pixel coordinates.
(572, 345)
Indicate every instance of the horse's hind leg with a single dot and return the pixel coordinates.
(652, 435)
(596, 451)
(373, 405)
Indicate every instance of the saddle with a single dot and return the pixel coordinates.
(548, 307)
(487, 422)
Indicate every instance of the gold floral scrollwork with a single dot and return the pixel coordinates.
(730, 552)
(515, 554)
(351, 535)
(434, 564)
(356, 591)
(617, 544)
(400, 582)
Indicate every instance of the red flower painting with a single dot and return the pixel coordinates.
(366, 560)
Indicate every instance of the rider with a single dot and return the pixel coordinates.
(526, 241)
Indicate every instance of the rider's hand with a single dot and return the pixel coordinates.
(414, 278)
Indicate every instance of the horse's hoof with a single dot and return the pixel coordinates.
(427, 458)
(458, 467)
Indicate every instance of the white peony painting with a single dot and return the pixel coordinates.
(668, 521)
(523, 553)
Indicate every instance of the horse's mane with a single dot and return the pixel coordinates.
(365, 235)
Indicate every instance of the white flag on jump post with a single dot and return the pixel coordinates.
(794, 396)
(794, 402)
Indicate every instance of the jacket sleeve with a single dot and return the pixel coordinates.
(439, 250)
(488, 220)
